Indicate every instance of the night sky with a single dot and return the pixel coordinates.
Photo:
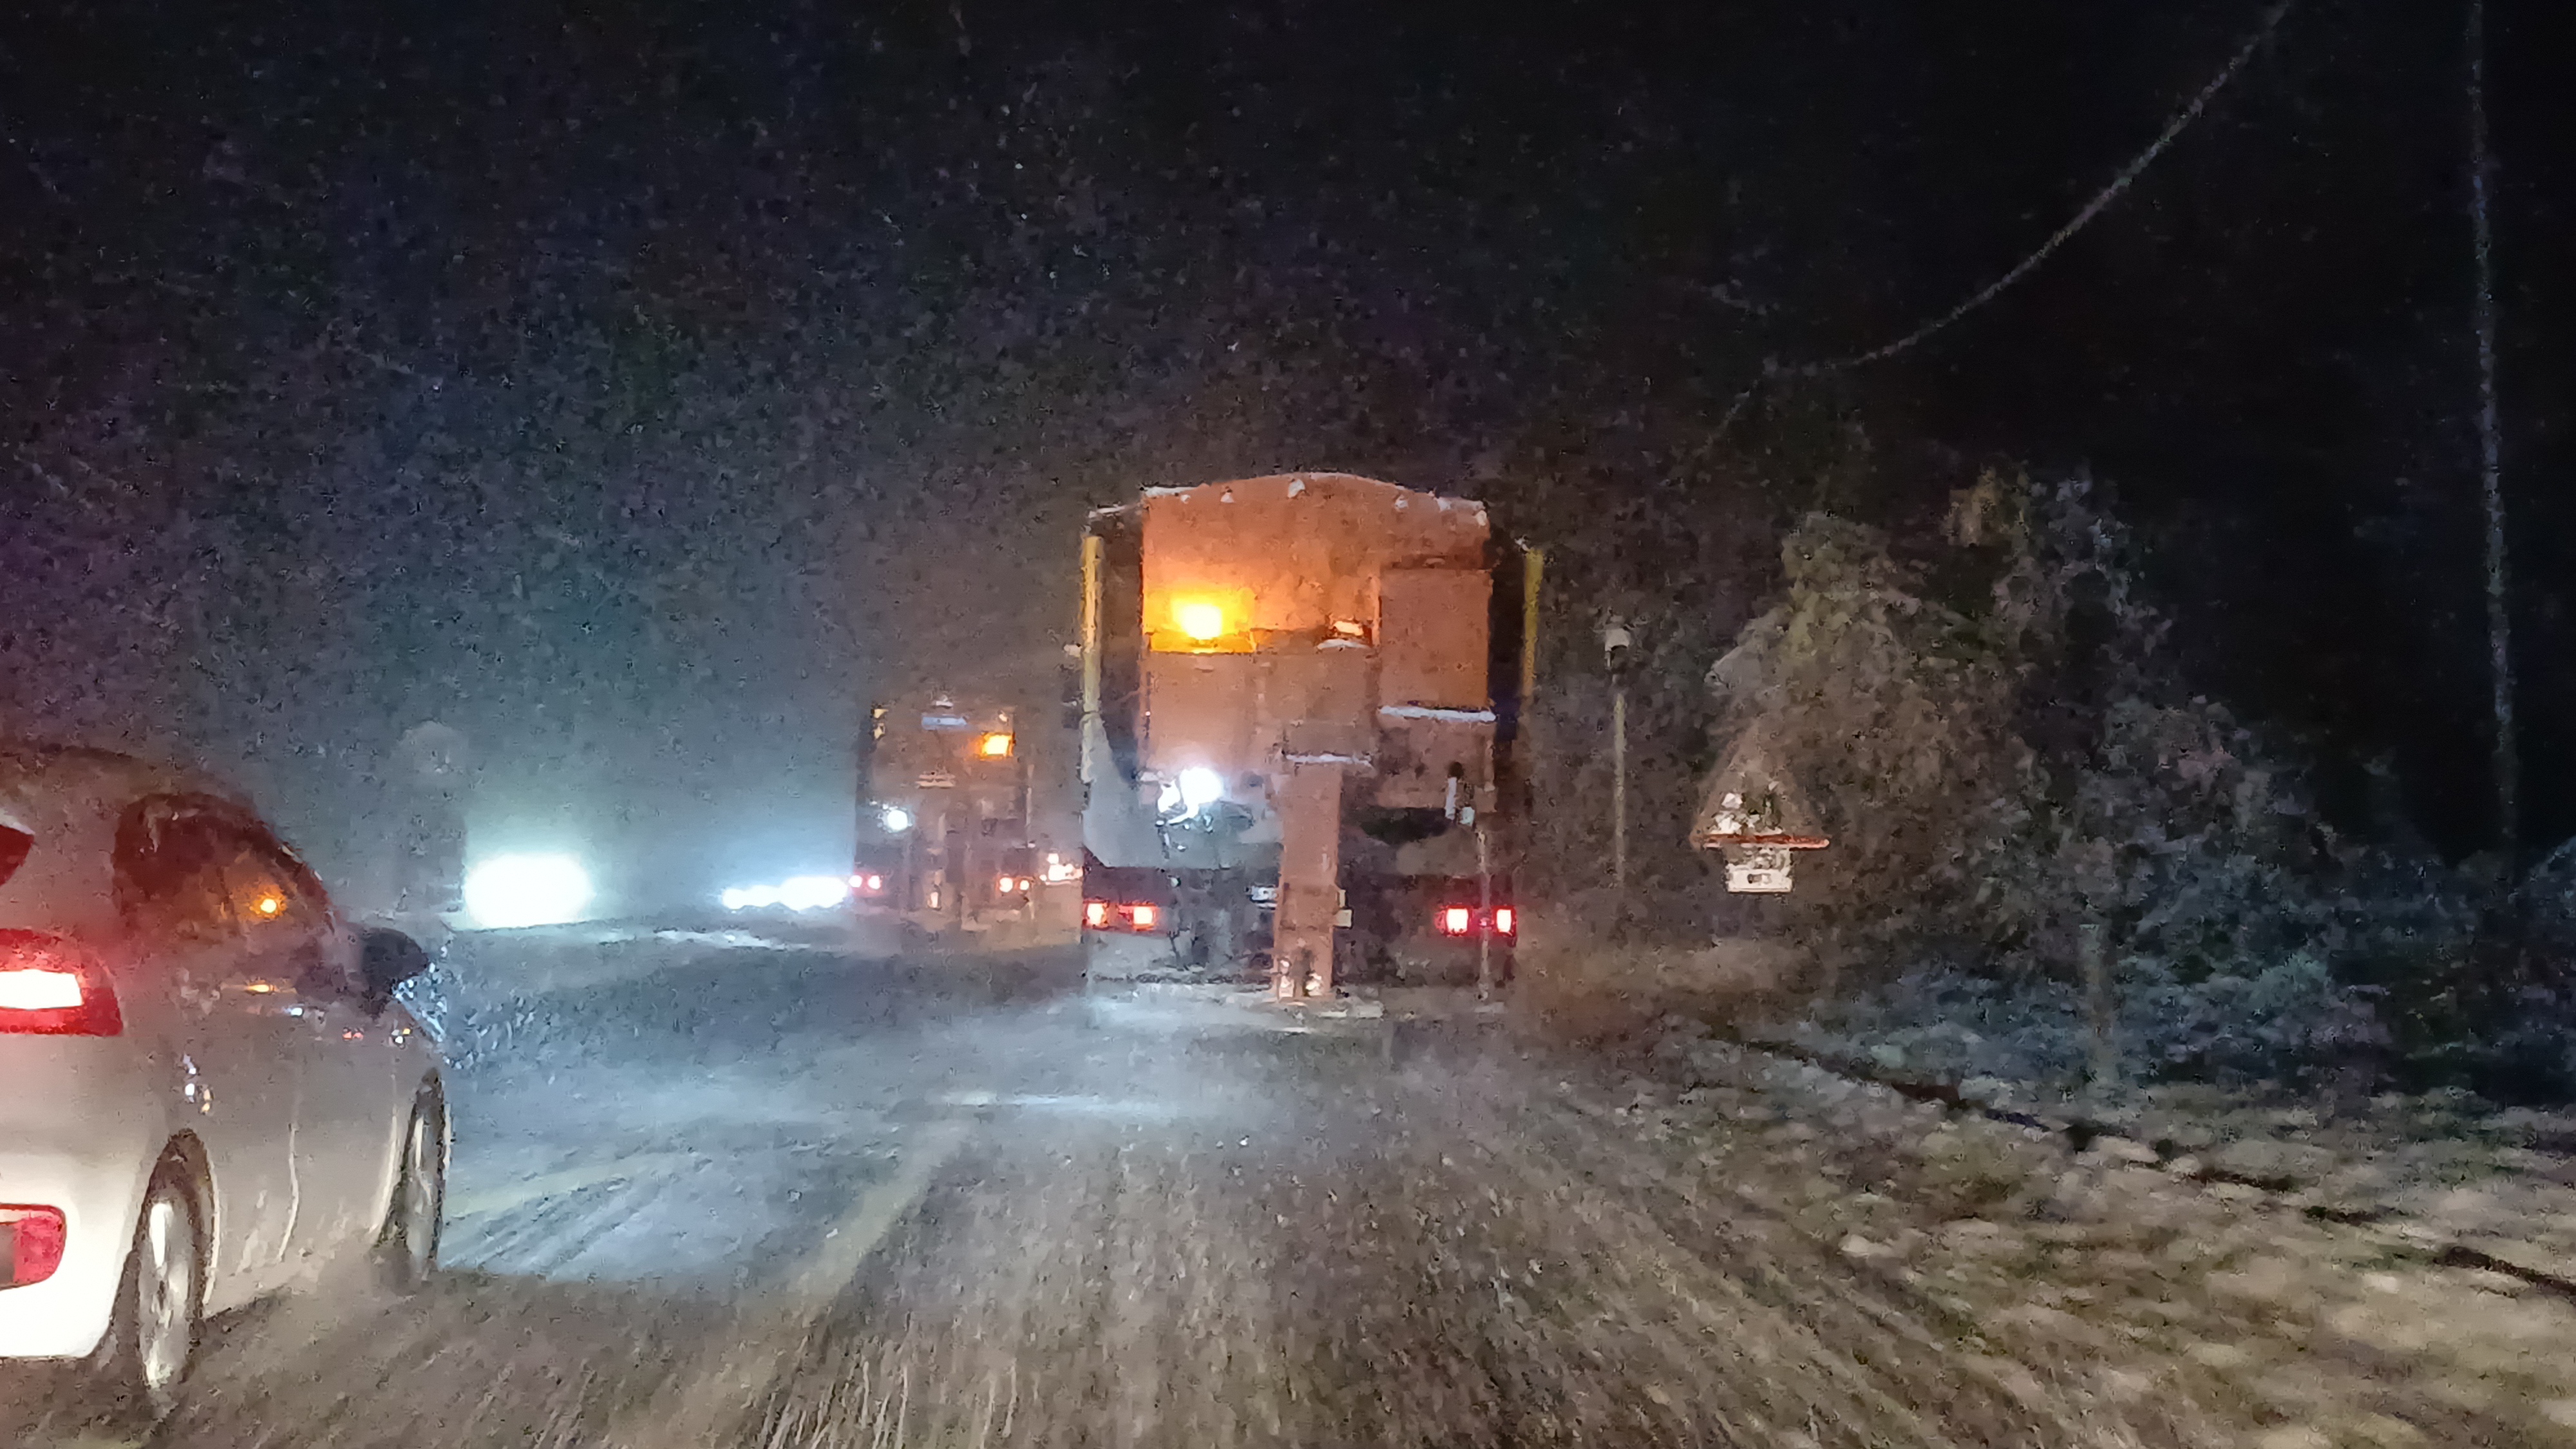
(639, 387)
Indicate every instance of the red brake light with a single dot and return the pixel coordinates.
(51, 987)
(1455, 920)
(1142, 917)
(31, 1244)
(1095, 914)
(1502, 920)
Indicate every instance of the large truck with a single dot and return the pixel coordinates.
(1300, 711)
(944, 829)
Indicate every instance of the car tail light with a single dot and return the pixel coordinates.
(1461, 920)
(51, 987)
(1142, 917)
(31, 1244)
(1095, 914)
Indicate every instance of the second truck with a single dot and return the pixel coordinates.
(953, 828)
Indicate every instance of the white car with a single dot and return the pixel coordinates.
(207, 1089)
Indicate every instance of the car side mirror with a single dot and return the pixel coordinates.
(386, 959)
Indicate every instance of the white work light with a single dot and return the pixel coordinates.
(1201, 788)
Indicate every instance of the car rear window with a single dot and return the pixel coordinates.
(170, 855)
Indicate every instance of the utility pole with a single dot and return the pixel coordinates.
(1615, 645)
(2507, 765)
(2100, 1014)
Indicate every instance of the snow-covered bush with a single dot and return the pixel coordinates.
(2287, 1018)
(1951, 1025)
(1994, 737)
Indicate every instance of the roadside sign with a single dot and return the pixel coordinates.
(1759, 870)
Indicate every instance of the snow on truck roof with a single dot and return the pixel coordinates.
(1294, 485)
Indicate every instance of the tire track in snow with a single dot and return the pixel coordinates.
(710, 1399)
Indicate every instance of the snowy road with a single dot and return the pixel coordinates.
(782, 1199)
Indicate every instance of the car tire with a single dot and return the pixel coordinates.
(407, 1245)
(160, 1301)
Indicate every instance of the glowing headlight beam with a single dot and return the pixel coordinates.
(526, 890)
(812, 892)
(796, 893)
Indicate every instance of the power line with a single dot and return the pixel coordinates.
(2507, 763)
(1773, 371)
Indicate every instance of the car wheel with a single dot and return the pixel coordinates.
(407, 1249)
(153, 1333)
